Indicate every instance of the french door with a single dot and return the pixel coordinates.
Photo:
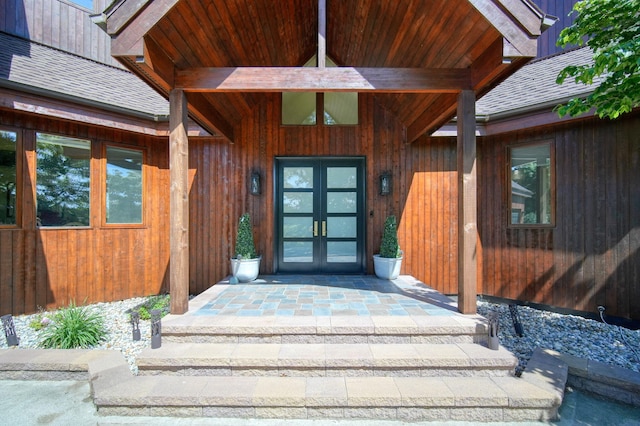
(320, 215)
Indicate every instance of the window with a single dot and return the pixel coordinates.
(8, 175)
(339, 108)
(530, 185)
(62, 180)
(124, 186)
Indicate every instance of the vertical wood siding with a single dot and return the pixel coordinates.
(65, 26)
(591, 256)
(423, 195)
(42, 267)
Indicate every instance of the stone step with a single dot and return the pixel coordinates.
(329, 329)
(393, 398)
(320, 359)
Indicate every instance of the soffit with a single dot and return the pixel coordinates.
(422, 34)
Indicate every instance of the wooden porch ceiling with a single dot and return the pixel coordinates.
(416, 55)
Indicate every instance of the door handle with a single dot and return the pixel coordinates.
(315, 228)
(324, 228)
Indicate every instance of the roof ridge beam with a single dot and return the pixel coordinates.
(330, 79)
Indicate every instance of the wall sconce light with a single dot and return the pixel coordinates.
(385, 183)
(255, 187)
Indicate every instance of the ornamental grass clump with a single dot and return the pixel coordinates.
(74, 327)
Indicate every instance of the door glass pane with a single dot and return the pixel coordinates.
(341, 177)
(297, 202)
(298, 251)
(124, 185)
(62, 180)
(298, 177)
(342, 202)
(341, 227)
(341, 251)
(297, 227)
(8, 177)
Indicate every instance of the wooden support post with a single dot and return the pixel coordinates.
(322, 33)
(179, 202)
(467, 204)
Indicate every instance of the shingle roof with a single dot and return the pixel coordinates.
(535, 85)
(31, 64)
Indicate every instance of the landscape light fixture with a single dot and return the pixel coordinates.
(9, 330)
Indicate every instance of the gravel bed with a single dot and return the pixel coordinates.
(568, 334)
(573, 335)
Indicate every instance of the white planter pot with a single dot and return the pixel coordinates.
(387, 268)
(246, 270)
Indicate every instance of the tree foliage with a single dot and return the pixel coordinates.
(611, 28)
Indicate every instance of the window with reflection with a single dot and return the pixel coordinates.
(8, 177)
(124, 186)
(62, 180)
(531, 184)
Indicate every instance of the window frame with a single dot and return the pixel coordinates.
(92, 173)
(17, 213)
(552, 184)
(103, 185)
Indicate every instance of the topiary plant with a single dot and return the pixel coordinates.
(389, 246)
(245, 246)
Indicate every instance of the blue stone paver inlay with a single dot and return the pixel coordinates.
(325, 296)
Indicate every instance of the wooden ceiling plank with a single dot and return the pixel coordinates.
(413, 23)
(128, 41)
(215, 53)
(278, 79)
(389, 21)
(510, 30)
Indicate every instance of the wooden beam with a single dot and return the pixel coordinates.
(523, 44)
(208, 117)
(125, 12)
(332, 79)
(436, 115)
(179, 203)
(128, 42)
(467, 204)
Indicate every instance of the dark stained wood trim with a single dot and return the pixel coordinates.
(335, 79)
(467, 204)
(179, 203)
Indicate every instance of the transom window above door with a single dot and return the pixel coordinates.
(338, 108)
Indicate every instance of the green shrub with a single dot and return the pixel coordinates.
(74, 327)
(160, 303)
(389, 246)
(245, 245)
